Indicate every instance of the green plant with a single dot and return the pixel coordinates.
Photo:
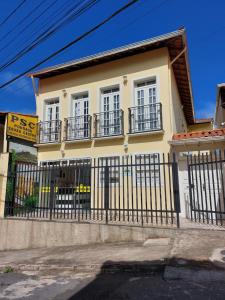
(30, 201)
(8, 269)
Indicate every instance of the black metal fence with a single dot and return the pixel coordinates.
(140, 190)
(49, 131)
(207, 187)
(145, 118)
(109, 123)
(78, 128)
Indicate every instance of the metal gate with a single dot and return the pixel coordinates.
(141, 190)
(206, 187)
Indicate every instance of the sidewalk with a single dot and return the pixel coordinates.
(202, 248)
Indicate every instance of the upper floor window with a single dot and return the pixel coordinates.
(78, 126)
(50, 129)
(146, 113)
(52, 110)
(109, 121)
(80, 104)
(110, 99)
(145, 92)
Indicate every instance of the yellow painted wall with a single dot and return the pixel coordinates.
(200, 127)
(4, 158)
(178, 119)
(142, 66)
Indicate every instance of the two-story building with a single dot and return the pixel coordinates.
(120, 108)
(128, 100)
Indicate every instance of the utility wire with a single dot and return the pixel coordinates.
(21, 21)
(68, 45)
(27, 26)
(51, 30)
(12, 13)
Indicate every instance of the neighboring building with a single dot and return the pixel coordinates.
(17, 133)
(201, 124)
(220, 106)
(129, 100)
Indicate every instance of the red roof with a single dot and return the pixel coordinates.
(199, 134)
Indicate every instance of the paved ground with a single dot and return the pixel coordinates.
(119, 286)
(184, 267)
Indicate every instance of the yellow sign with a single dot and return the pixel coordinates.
(22, 126)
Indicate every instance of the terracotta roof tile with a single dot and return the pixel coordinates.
(199, 134)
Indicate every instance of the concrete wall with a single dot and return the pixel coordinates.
(24, 234)
(4, 158)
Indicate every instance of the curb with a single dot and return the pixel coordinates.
(109, 267)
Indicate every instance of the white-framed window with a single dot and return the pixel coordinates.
(51, 110)
(110, 111)
(51, 126)
(113, 169)
(147, 115)
(79, 123)
(147, 169)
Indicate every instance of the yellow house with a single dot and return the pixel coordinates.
(128, 100)
(106, 124)
(120, 107)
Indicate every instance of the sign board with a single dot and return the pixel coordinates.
(22, 127)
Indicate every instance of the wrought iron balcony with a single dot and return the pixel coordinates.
(145, 118)
(78, 128)
(108, 123)
(49, 131)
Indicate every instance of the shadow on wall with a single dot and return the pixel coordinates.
(139, 280)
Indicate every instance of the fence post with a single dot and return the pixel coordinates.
(10, 190)
(106, 189)
(176, 192)
(52, 186)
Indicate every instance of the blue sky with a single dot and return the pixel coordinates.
(204, 22)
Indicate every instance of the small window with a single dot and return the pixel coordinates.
(146, 82)
(80, 96)
(113, 168)
(111, 90)
(147, 169)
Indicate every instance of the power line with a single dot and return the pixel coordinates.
(28, 25)
(52, 29)
(68, 45)
(12, 13)
(21, 21)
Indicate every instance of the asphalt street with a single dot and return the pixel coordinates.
(119, 286)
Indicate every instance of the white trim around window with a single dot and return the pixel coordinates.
(136, 80)
(45, 103)
(105, 88)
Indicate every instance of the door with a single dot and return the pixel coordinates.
(79, 126)
(110, 112)
(147, 116)
(51, 128)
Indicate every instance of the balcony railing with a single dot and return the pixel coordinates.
(78, 128)
(145, 118)
(109, 123)
(49, 132)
